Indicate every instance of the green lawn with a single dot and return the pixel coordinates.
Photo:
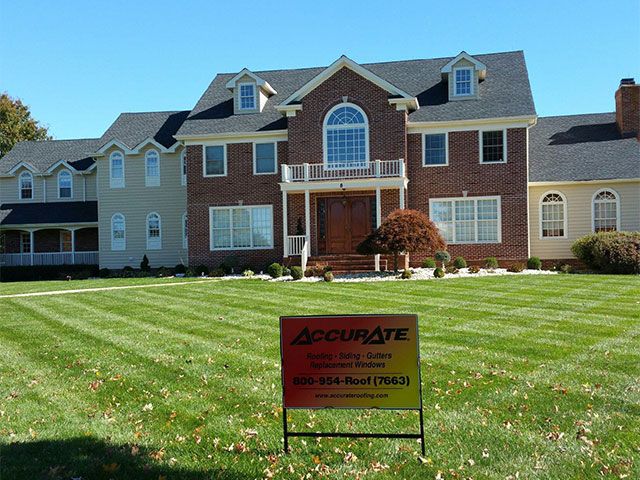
(524, 376)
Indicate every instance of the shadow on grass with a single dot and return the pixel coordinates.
(90, 458)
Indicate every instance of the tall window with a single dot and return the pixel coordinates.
(116, 170)
(65, 241)
(215, 164)
(467, 219)
(184, 230)
(435, 149)
(26, 186)
(463, 81)
(265, 158)
(553, 217)
(493, 146)
(183, 166)
(241, 228)
(247, 96)
(605, 211)
(65, 184)
(346, 137)
(118, 232)
(25, 242)
(154, 231)
(152, 168)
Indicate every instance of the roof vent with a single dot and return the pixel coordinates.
(627, 81)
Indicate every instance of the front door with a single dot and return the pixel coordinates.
(348, 222)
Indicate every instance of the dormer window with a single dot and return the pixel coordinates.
(463, 81)
(247, 96)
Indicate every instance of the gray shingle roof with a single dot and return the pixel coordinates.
(43, 154)
(133, 128)
(504, 93)
(56, 212)
(581, 147)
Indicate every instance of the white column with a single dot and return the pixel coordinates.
(44, 189)
(31, 245)
(307, 218)
(73, 246)
(285, 233)
(378, 222)
(402, 198)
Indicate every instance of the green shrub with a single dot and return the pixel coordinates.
(308, 272)
(460, 262)
(127, 269)
(562, 268)
(180, 268)
(611, 252)
(451, 269)
(142, 274)
(438, 272)
(296, 272)
(201, 270)
(473, 269)
(247, 266)
(286, 271)
(104, 273)
(248, 273)
(428, 263)
(515, 268)
(128, 272)
(190, 273)
(534, 263)
(144, 264)
(217, 272)
(230, 263)
(328, 276)
(163, 272)
(406, 274)
(443, 257)
(275, 270)
(46, 272)
(491, 263)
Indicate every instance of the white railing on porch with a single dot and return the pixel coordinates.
(48, 258)
(298, 245)
(309, 172)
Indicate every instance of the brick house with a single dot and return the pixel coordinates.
(300, 165)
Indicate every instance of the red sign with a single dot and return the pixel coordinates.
(352, 361)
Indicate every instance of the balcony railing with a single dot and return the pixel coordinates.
(310, 172)
(48, 258)
(298, 245)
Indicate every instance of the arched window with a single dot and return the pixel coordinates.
(154, 231)
(116, 170)
(152, 168)
(65, 184)
(553, 215)
(184, 230)
(183, 166)
(346, 137)
(606, 211)
(118, 232)
(25, 182)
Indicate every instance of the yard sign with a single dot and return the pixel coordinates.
(350, 361)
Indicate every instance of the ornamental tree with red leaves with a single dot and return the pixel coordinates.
(403, 231)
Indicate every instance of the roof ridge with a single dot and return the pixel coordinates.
(154, 111)
(577, 115)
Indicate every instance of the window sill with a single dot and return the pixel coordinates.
(231, 249)
(436, 165)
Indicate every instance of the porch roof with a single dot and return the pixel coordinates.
(62, 213)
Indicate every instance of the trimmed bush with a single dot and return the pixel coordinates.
(142, 274)
(460, 262)
(217, 272)
(328, 276)
(163, 272)
(534, 263)
(104, 273)
(491, 263)
(296, 272)
(308, 272)
(286, 271)
(275, 270)
(202, 270)
(443, 258)
(190, 273)
(610, 252)
(248, 273)
(515, 268)
(247, 266)
(438, 272)
(562, 268)
(428, 263)
(144, 264)
(451, 269)
(473, 269)
(127, 269)
(406, 275)
(180, 268)
(47, 272)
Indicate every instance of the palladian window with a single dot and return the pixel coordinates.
(346, 137)
(26, 186)
(553, 216)
(605, 211)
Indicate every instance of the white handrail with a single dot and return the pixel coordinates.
(296, 244)
(48, 258)
(309, 172)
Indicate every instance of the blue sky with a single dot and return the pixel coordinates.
(79, 64)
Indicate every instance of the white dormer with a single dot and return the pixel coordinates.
(250, 92)
(463, 75)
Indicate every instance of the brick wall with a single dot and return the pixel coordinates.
(465, 172)
(628, 110)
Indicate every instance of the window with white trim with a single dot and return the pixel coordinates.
(435, 149)
(184, 231)
(553, 216)
(118, 232)
(605, 211)
(241, 228)
(215, 160)
(152, 168)
(183, 166)
(65, 241)
(116, 170)
(493, 146)
(346, 137)
(154, 231)
(65, 184)
(264, 158)
(463, 81)
(25, 181)
(25, 242)
(246, 96)
(467, 219)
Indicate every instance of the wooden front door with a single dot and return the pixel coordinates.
(348, 222)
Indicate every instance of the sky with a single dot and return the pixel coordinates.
(78, 64)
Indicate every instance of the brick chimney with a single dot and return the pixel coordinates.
(628, 108)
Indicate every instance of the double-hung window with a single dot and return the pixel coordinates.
(154, 231)
(463, 81)
(215, 161)
(184, 230)
(605, 211)
(553, 216)
(264, 158)
(65, 184)
(116, 170)
(26, 186)
(467, 219)
(25, 242)
(118, 232)
(66, 244)
(183, 166)
(247, 96)
(241, 228)
(152, 168)
(435, 149)
(493, 146)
